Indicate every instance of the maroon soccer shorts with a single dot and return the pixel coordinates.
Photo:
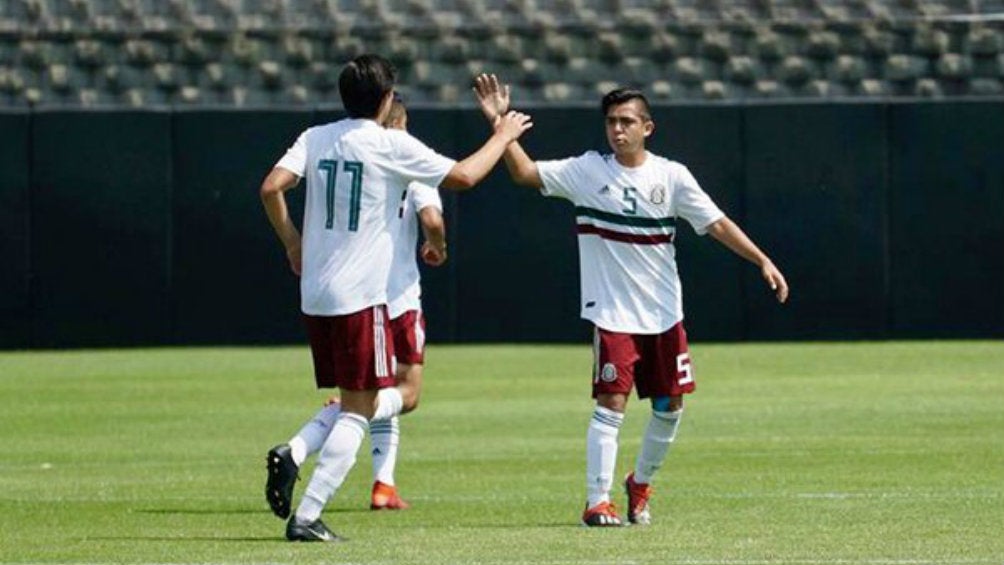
(656, 365)
(352, 352)
(409, 337)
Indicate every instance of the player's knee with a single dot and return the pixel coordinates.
(667, 403)
(410, 396)
(410, 403)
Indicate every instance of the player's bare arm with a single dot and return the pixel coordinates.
(729, 234)
(467, 173)
(273, 197)
(493, 99)
(434, 229)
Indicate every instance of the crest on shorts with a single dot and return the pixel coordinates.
(608, 373)
(658, 194)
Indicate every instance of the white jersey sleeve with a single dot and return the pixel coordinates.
(415, 160)
(423, 196)
(295, 159)
(563, 177)
(692, 203)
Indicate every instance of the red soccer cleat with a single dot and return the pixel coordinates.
(384, 497)
(638, 495)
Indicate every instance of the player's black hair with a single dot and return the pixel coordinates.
(363, 83)
(618, 96)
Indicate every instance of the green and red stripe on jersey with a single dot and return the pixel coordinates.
(626, 229)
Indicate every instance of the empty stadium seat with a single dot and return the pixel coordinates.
(905, 68)
(794, 71)
(953, 66)
(743, 70)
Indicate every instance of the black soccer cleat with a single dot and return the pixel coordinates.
(314, 531)
(281, 479)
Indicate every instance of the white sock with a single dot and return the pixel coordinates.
(389, 403)
(311, 436)
(655, 444)
(336, 460)
(385, 435)
(601, 454)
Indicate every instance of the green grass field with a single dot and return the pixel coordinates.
(830, 454)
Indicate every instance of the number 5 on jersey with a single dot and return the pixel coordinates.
(354, 169)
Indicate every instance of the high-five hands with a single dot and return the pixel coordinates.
(512, 125)
(493, 97)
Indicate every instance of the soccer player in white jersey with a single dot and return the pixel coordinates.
(420, 206)
(627, 203)
(356, 171)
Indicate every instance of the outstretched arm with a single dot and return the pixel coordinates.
(273, 198)
(434, 229)
(493, 99)
(467, 173)
(729, 234)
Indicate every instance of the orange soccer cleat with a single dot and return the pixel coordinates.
(384, 497)
(603, 515)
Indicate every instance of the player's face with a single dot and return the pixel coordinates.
(627, 127)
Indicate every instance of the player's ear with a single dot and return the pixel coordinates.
(649, 127)
(385, 104)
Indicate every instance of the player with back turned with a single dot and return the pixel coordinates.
(356, 171)
(627, 203)
(420, 208)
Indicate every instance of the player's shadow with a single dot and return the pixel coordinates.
(199, 539)
(203, 511)
(222, 511)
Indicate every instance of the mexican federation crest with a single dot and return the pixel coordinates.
(657, 195)
(609, 373)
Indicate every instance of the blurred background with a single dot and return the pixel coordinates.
(859, 142)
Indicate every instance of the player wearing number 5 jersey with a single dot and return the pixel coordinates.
(356, 171)
(627, 206)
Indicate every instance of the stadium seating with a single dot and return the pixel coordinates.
(239, 53)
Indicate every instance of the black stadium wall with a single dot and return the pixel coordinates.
(144, 227)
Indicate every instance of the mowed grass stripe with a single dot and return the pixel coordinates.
(788, 453)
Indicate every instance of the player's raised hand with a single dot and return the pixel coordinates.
(776, 281)
(493, 96)
(513, 124)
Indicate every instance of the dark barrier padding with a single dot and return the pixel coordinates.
(947, 216)
(816, 202)
(15, 313)
(100, 227)
(232, 283)
(708, 141)
(146, 227)
(517, 262)
(440, 131)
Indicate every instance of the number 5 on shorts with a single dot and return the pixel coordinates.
(684, 372)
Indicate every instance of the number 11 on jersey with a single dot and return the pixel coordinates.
(355, 170)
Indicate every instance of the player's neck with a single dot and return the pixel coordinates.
(631, 159)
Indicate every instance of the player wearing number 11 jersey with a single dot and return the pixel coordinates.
(356, 171)
(627, 206)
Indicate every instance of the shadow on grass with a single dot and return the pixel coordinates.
(203, 511)
(233, 539)
(211, 511)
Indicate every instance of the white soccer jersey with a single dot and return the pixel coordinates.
(356, 172)
(626, 223)
(404, 291)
